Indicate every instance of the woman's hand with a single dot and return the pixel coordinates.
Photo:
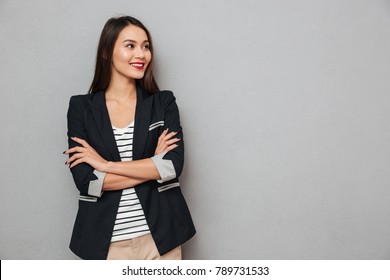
(85, 154)
(165, 142)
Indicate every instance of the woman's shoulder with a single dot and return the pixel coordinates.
(165, 96)
(80, 97)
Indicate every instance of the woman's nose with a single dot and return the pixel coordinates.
(139, 53)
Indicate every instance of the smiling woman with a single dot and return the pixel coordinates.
(126, 153)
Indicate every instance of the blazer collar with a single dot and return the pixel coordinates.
(104, 126)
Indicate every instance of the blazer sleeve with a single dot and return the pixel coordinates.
(83, 174)
(170, 164)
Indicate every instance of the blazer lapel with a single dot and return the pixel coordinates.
(103, 124)
(141, 123)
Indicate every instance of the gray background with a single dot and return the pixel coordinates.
(285, 106)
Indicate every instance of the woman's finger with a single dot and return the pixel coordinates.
(81, 160)
(171, 147)
(74, 157)
(76, 149)
(170, 135)
(172, 141)
(165, 131)
(163, 135)
(167, 148)
(167, 145)
(81, 141)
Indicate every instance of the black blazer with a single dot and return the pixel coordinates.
(164, 206)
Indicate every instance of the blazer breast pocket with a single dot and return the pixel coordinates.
(155, 125)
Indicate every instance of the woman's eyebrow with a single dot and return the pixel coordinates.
(133, 41)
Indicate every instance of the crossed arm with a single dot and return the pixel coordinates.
(125, 174)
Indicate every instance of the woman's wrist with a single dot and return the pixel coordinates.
(106, 167)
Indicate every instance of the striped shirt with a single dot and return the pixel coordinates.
(130, 220)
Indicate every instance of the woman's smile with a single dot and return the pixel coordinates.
(138, 65)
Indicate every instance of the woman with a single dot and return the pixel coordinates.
(126, 153)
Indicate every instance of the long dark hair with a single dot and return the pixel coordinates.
(109, 35)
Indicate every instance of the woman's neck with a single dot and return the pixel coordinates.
(121, 88)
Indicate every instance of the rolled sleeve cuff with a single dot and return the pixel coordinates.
(164, 167)
(96, 186)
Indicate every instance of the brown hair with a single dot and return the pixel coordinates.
(109, 35)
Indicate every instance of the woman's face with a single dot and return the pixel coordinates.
(131, 54)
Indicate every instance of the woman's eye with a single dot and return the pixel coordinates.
(146, 47)
(130, 46)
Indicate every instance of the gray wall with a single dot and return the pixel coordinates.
(285, 106)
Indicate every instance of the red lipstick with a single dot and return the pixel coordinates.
(138, 65)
